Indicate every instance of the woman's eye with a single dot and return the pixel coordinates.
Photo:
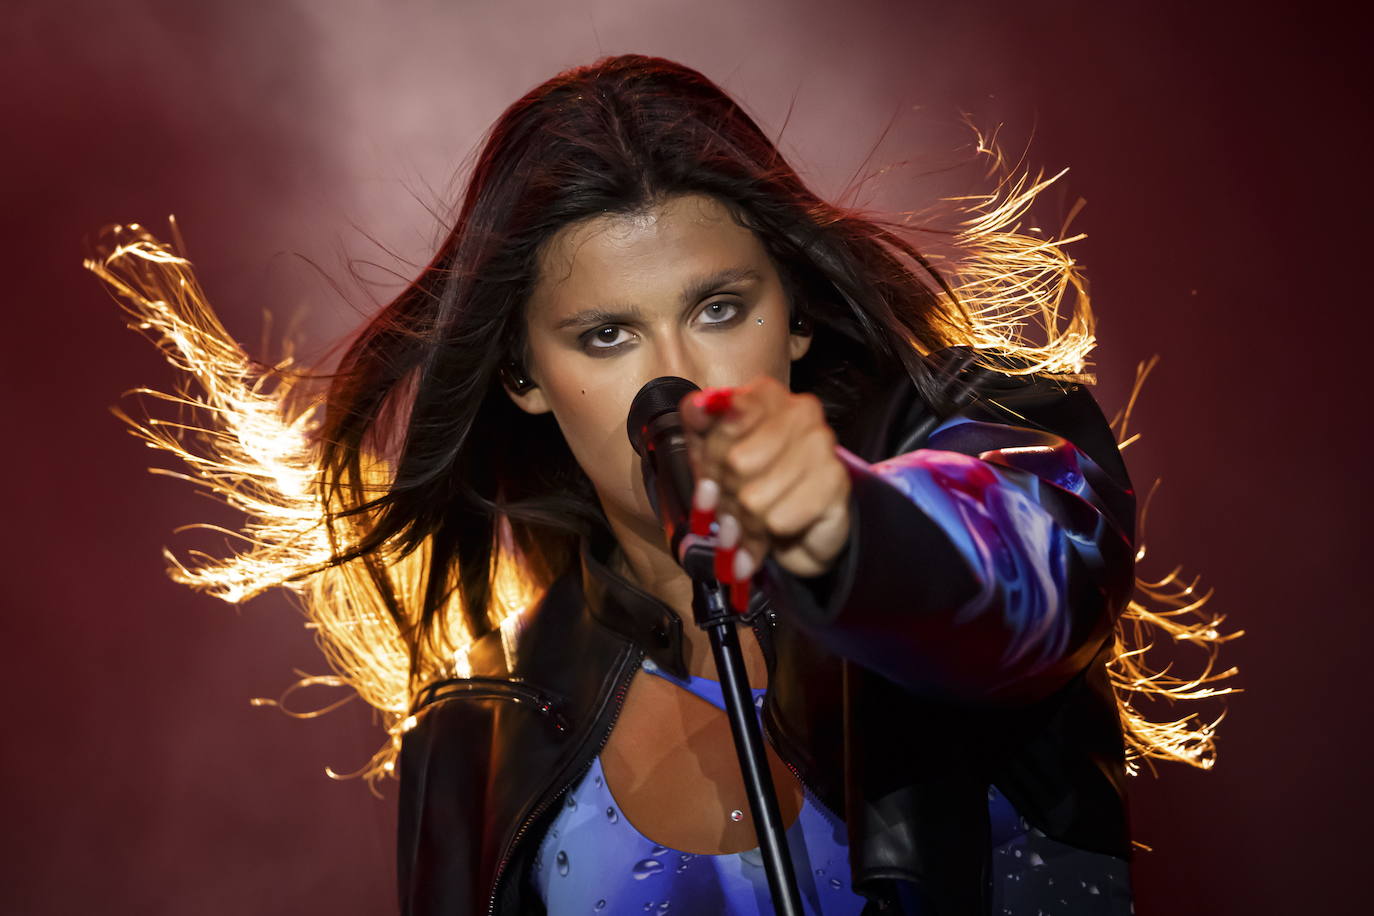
(612, 337)
(607, 338)
(720, 312)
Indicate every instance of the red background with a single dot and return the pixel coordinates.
(1221, 153)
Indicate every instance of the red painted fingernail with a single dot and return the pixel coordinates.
(701, 521)
(717, 400)
(725, 564)
(739, 595)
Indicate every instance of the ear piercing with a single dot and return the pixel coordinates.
(513, 374)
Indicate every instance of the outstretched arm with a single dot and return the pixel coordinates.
(987, 567)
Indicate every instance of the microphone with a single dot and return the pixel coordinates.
(655, 430)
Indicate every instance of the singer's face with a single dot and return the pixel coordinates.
(679, 290)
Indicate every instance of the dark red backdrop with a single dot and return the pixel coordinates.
(1221, 154)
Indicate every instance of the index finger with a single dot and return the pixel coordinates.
(700, 409)
(750, 403)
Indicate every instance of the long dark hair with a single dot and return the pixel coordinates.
(420, 385)
(397, 505)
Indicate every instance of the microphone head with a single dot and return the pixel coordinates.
(658, 397)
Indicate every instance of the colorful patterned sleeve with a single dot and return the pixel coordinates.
(987, 567)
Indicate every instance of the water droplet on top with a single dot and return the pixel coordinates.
(658, 850)
(758, 701)
(597, 780)
(1034, 859)
(611, 815)
(835, 883)
(646, 867)
(663, 907)
(1017, 853)
(686, 856)
(562, 863)
(820, 871)
(600, 905)
(1092, 889)
(572, 802)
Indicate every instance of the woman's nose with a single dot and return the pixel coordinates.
(678, 360)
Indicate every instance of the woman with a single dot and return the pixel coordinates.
(627, 221)
(932, 515)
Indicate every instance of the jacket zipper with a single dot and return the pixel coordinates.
(806, 784)
(769, 733)
(618, 698)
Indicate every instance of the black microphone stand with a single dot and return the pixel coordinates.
(656, 431)
(711, 611)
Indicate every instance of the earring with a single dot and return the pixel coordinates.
(514, 377)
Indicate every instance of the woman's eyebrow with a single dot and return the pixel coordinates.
(695, 289)
(700, 286)
(599, 316)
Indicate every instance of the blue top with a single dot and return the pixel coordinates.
(593, 860)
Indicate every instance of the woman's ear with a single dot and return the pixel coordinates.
(523, 390)
(799, 339)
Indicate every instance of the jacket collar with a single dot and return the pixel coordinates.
(632, 613)
(626, 609)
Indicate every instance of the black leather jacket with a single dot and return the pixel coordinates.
(901, 684)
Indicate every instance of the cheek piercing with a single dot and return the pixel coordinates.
(758, 320)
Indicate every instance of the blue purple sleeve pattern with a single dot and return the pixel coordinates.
(987, 567)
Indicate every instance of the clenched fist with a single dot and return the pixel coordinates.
(767, 466)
